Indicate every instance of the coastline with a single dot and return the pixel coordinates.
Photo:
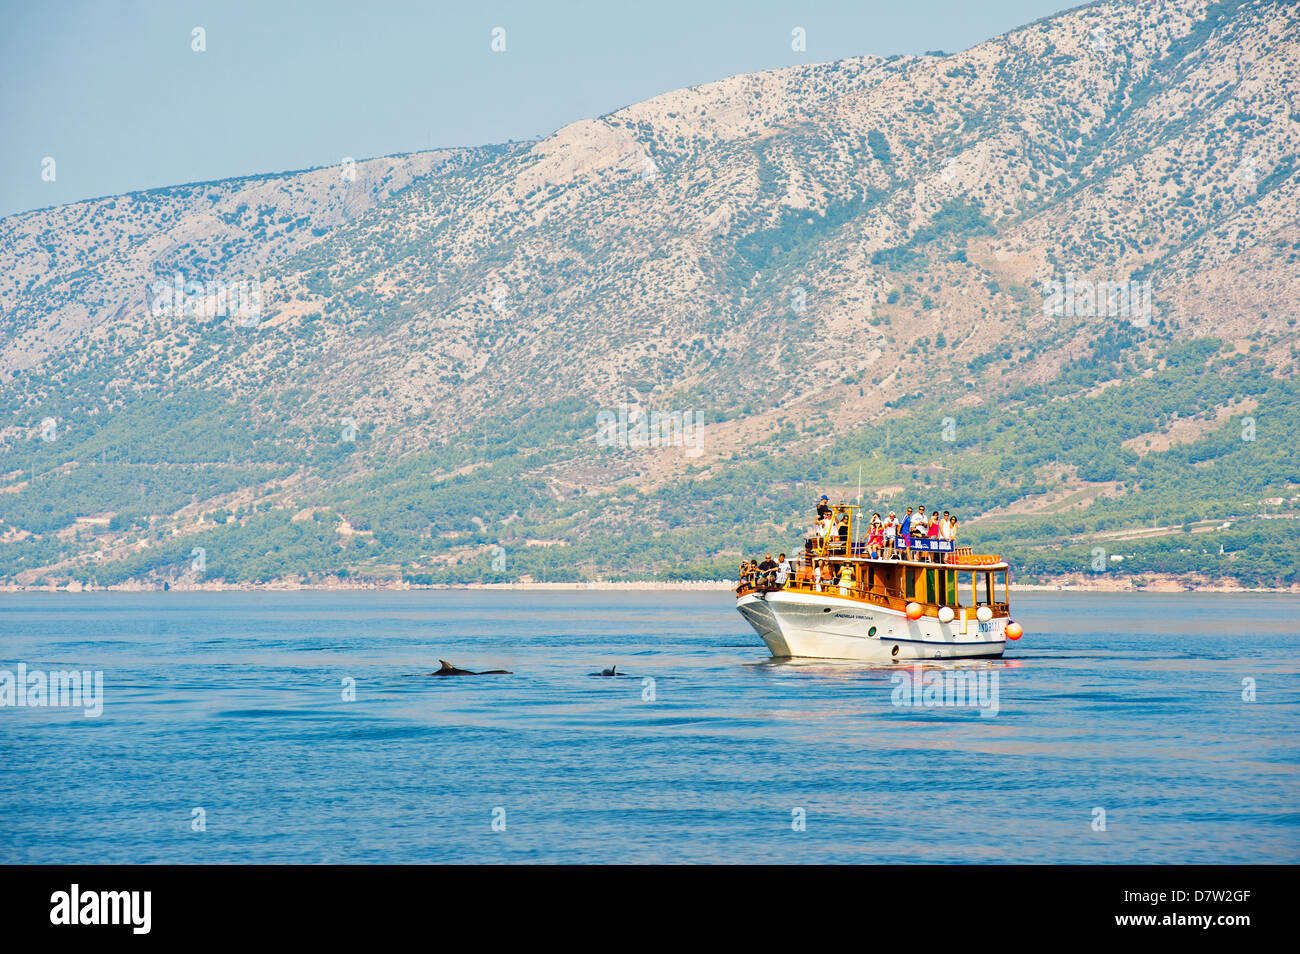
(1125, 585)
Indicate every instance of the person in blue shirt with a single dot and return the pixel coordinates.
(905, 530)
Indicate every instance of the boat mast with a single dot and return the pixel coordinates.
(857, 530)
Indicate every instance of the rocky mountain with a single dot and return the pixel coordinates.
(1047, 282)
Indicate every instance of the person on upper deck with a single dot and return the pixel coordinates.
(920, 529)
(905, 529)
(823, 507)
(829, 532)
(766, 570)
(875, 537)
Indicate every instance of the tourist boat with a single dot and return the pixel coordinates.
(933, 600)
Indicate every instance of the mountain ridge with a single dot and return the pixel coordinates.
(806, 256)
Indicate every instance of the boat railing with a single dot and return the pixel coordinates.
(960, 556)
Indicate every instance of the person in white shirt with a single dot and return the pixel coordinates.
(782, 570)
(824, 532)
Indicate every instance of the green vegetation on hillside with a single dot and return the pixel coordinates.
(490, 509)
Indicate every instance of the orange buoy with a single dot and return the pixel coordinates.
(1014, 630)
(914, 611)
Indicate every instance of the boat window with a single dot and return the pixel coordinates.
(909, 582)
(988, 589)
(942, 586)
(967, 587)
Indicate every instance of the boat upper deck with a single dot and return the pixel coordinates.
(929, 571)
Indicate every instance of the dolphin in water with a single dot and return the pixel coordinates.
(448, 669)
(611, 671)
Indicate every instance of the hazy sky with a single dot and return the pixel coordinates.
(114, 93)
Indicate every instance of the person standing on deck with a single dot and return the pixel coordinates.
(920, 527)
(782, 570)
(821, 531)
(932, 533)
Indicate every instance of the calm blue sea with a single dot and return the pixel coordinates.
(233, 704)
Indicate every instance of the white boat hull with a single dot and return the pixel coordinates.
(826, 626)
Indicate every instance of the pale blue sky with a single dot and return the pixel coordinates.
(115, 94)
